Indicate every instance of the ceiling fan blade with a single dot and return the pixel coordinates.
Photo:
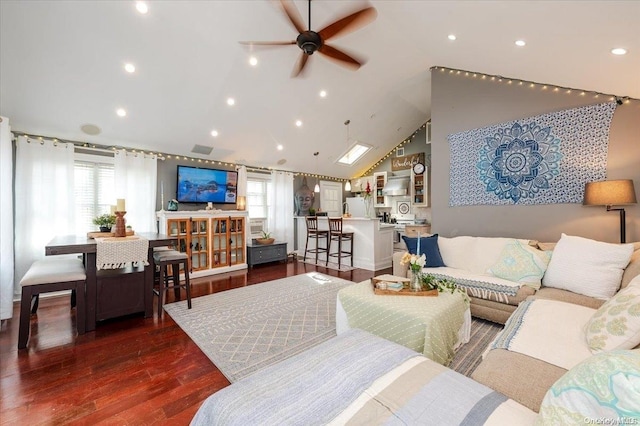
(340, 57)
(349, 23)
(267, 43)
(297, 70)
(292, 13)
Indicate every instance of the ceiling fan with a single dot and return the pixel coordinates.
(311, 41)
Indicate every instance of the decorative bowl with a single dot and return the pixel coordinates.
(265, 240)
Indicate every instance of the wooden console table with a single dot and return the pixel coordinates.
(264, 253)
(95, 292)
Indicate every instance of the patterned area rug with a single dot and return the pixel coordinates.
(330, 265)
(246, 329)
(469, 356)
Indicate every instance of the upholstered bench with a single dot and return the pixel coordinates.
(46, 276)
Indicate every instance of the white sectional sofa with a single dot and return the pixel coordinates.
(499, 273)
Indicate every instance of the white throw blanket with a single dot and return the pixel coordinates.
(549, 330)
(115, 253)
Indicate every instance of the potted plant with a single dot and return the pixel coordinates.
(266, 238)
(105, 222)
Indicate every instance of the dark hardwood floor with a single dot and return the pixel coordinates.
(130, 370)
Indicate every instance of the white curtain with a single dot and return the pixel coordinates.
(6, 220)
(44, 200)
(136, 180)
(281, 207)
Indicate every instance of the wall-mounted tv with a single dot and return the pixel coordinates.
(196, 185)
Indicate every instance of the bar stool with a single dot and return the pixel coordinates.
(313, 233)
(46, 276)
(174, 258)
(336, 234)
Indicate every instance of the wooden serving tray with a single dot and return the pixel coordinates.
(404, 292)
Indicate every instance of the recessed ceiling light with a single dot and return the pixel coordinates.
(121, 112)
(520, 43)
(451, 37)
(214, 133)
(619, 51)
(129, 68)
(253, 61)
(142, 7)
(323, 93)
(280, 147)
(231, 101)
(298, 123)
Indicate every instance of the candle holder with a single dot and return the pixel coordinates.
(120, 230)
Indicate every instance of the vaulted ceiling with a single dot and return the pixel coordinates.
(62, 67)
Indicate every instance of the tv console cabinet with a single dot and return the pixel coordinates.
(214, 240)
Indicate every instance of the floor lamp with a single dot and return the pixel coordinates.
(611, 193)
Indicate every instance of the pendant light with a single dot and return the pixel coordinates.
(317, 187)
(347, 185)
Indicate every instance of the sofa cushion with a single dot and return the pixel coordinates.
(588, 267)
(616, 325)
(517, 376)
(473, 254)
(633, 268)
(428, 247)
(521, 263)
(569, 297)
(604, 387)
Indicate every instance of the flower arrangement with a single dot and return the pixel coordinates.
(415, 262)
(367, 191)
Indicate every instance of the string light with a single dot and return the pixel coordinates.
(534, 84)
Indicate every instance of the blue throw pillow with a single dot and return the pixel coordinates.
(428, 247)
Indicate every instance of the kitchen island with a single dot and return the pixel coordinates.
(372, 241)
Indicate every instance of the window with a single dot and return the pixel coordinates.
(258, 203)
(94, 189)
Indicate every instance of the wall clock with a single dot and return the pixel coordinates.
(403, 207)
(418, 168)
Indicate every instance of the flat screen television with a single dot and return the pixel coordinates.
(196, 185)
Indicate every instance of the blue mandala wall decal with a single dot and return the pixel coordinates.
(519, 161)
(546, 159)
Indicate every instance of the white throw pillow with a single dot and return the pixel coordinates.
(588, 267)
(616, 325)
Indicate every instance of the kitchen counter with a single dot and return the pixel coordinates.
(372, 242)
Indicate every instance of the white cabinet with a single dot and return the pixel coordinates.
(356, 185)
(379, 181)
(420, 188)
(360, 184)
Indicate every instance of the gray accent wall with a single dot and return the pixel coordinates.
(462, 103)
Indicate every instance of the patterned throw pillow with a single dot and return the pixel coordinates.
(521, 263)
(605, 387)
(616, 325)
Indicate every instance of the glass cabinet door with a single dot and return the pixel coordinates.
(199, 244)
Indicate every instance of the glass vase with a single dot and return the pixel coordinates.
(367, 207)
(416, 282)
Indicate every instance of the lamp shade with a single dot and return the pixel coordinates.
(609, 193)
